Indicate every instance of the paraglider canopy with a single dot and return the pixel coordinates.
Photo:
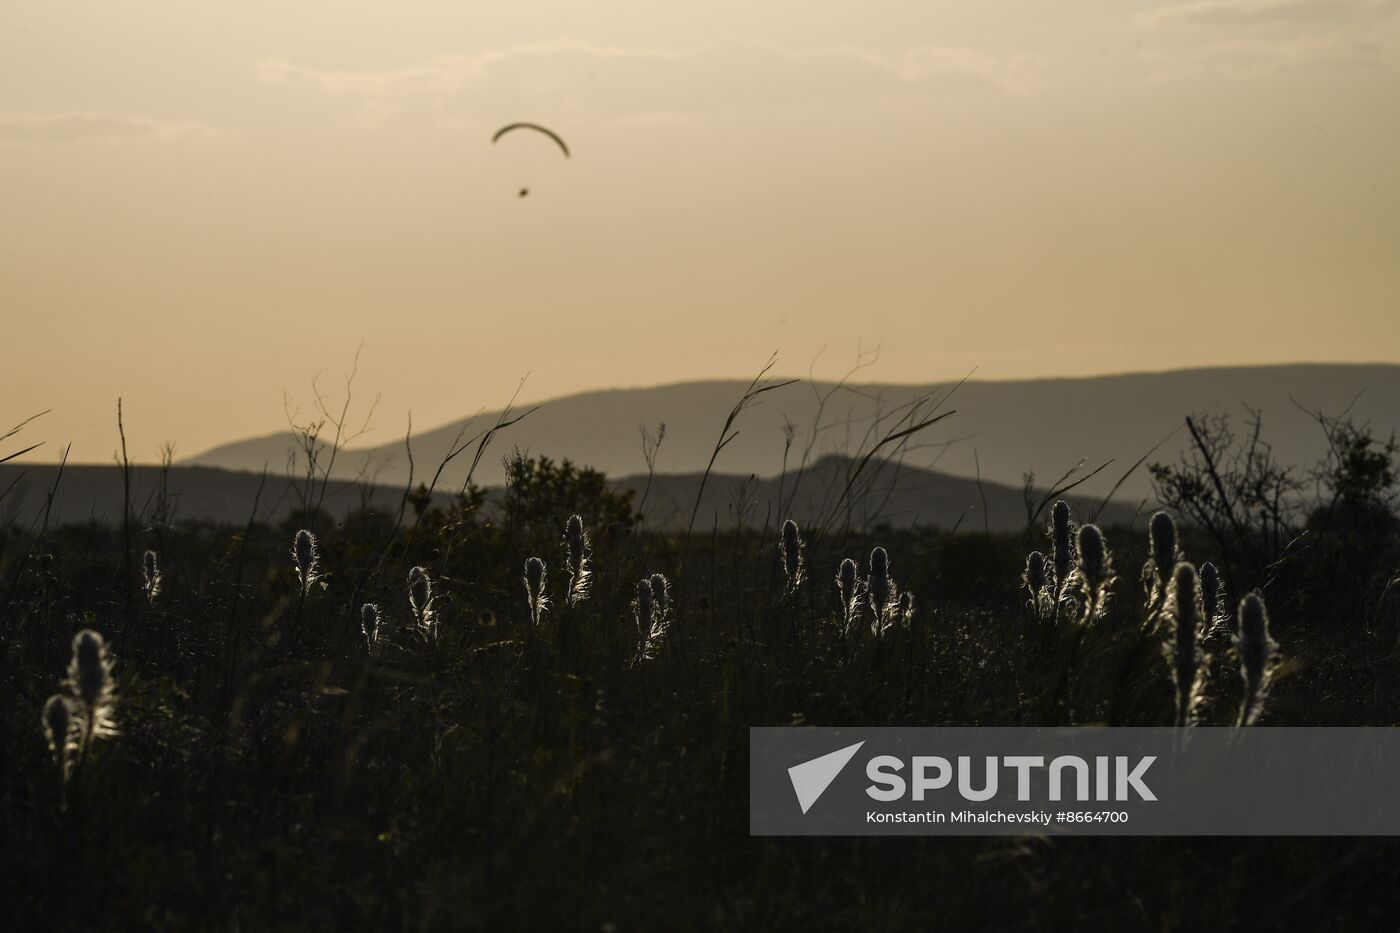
(510, 127)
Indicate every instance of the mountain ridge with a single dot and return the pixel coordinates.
(1004, 428)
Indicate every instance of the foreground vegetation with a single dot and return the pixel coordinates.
(502, 743)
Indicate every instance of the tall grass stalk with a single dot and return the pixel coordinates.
(1258, 655)
(1185, 654)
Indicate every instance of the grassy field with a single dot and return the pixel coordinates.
(275, 770)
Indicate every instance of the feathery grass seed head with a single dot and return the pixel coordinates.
(1185, 653)
(576, 545)
(150, 571)
(653, 613)
(881, 588)
(1255, 645)
(91, 667)
(534, 588)
(304, 549)
(1034, 577)
(906, 608)
(574, 536)
(1093, 574)
(307, 559)
(846, 576)
(1185, 592)
(534, 573)
(59, 728)
(90, 678)
(879, 564)
(420, 587)
(1210, 592)
(369, 623)
(879, 582)
(790, 546)
(1162, 537)
(420, 598)
(661, 592)
(1257, 653)
(1093, 556)
(848, 586)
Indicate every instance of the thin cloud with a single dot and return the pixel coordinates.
(84, 126)
(1267, 13)
(617, 82)
(1252, 59)
(1250, 39)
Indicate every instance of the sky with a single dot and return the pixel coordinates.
(206, 204)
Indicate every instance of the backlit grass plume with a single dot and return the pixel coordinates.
(1210, 591)
(1036, 581)
(1034, 576)
(61, 730)
(642, 608)
(904, 612)
(1163, 557)
(576, 544)
(306, 557)
(1258, 656)
(535, 579)
(661, 593)
(652, 611)
(369, 624)
(848, 586)
(151, 576)
(1184, 653)
(881, 589)
(420, 600)
(790, 549)
(1215, 616)
(93, 688)
(1094, 569)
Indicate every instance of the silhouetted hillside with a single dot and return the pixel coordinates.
(899, 496)
(204, 494)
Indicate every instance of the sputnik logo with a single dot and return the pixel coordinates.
(811, 778)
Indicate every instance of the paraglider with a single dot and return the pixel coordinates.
(538, 129)
(524, 192)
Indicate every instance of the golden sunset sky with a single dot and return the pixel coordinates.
(204, 203)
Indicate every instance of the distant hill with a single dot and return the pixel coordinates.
(899, 496)
(889, 494)
(226, 497)
(1043, 425)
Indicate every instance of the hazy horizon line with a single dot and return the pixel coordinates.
(519, 404)
(892, 383)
